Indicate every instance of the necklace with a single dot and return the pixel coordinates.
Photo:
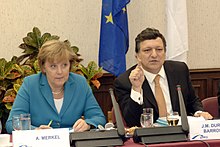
(56, 93)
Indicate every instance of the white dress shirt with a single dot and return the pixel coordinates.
(138, 97)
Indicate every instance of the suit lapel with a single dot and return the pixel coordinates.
(46, 92)
(68, 95)
(172, 82)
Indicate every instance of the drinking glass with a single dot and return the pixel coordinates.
(25, 120)
(146, 119)
(16, 122)
(173, 118)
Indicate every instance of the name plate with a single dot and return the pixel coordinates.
(205, 130)
(42, 138)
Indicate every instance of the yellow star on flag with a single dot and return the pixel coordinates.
(109, 18)
(124, 10)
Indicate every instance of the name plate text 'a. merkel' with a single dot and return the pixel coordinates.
(42, 138)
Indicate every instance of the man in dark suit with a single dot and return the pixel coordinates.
(135, 89)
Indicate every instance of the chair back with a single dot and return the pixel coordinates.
(210, 105)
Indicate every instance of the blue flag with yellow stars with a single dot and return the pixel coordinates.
(114, 36)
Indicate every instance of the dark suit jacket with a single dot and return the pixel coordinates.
(177, 74)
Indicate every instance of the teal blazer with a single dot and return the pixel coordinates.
(35, 97)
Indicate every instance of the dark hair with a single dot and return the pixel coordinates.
(148, 34)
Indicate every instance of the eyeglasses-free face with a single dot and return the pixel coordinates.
(151, 55)
(57, 72)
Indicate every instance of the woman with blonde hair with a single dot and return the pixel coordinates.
(57, 94)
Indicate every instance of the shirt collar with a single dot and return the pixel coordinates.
(150, 76)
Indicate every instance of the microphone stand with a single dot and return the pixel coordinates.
(101, 137)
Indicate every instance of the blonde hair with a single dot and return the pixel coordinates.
(56, 50)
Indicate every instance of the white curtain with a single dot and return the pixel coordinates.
(177, 30)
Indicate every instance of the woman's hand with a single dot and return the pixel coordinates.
(43, 127)
(81, 125)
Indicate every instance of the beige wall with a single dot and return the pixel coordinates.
(79, 22)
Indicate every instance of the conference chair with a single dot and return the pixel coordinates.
(210, 105)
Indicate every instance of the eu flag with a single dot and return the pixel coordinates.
(114, 36)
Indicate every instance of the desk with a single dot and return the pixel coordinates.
(211, 143)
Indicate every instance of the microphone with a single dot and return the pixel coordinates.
(184, 121)
(119, 122)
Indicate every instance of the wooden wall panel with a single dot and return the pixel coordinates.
(102, 94)
(200, 86)
(205, 81)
